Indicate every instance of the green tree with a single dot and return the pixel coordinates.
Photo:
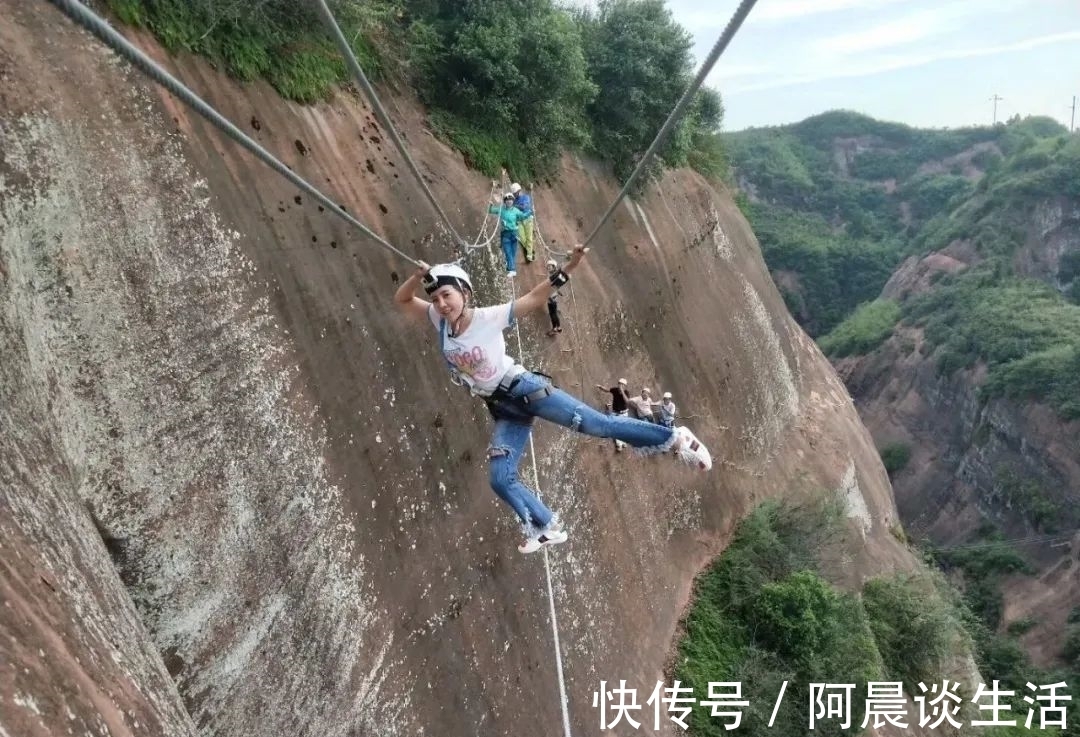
(865, 329)
(915, 625)
(512, 70)
(895, 457)
(639, 57)
(707, 153)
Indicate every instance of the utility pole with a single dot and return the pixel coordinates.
(1072, 120)
(995, 98)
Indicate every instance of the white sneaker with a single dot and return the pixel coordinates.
(692, 451)
(511, 274)
(544, 539)
(551, 535)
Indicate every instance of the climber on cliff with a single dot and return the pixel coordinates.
(667, 410)
(523, 202)
(509, 218)
(619, 404)
(553, 302)
(471, 341)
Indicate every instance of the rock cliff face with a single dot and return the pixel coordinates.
(1054, 232)
(973, 460)
(238, 495)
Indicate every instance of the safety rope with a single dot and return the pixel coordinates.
(718, 48)
(482, 240)
(93, 23)
(563, 702)
(380, 112)
(1029, 540)
(574, 337)
(496, 222)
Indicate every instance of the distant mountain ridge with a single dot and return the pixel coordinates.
(840, 199)
(940, 270)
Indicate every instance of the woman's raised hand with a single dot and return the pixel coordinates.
(578, 254)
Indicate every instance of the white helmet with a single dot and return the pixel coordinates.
(441, 275)
(508, 196)
(515, 187)
(622, 382)
(667, 395)
(645, 390)
(552, 263)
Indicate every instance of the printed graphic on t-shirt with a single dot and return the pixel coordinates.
(479, 354)
(473, 363)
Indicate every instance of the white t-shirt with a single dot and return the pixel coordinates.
(479, 354)
(642, 406)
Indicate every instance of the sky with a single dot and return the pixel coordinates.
(927, 63)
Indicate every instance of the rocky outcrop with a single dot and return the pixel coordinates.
(1054, 232)
(916, 275)
(244, 497)
(846, 150)
(963, 163)
(962, 444)
(975, 460)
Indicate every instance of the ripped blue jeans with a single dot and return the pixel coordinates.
(510, 436)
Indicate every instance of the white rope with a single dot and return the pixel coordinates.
(575, 338)
(482, 240)
(547, 560)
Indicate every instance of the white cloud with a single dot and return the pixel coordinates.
(906, 30)
(784, 10)
(724, 71)
(888, 63)
(914, 26)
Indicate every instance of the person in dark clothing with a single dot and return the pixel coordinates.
(553, 303)
(620, 404)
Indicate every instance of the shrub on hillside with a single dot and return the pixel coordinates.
(895, 457)
(868, 327)
(760, 616)
(1026, 333)
(915, 624)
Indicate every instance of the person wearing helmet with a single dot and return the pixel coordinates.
(620, 405)
(642, 405)
(523, 202)
(472, 344)
(552, 302)
(667, 411)
(509, 218)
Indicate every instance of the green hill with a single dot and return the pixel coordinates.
(839, 200)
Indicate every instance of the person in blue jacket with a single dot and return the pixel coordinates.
(510, 217)
(523, 202)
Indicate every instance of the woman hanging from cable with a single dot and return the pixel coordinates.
(472, 343)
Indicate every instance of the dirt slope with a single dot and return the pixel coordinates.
(292, 493)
